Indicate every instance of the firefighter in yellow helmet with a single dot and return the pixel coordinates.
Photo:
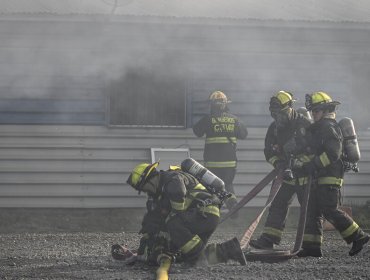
(185, 210)
(326, 166)
(222, 130)
(285, 139)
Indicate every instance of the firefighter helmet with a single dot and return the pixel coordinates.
(140, 174)
(281, 100)
(219, 97)
(320, 101)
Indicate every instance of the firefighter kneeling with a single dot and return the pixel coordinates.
(181, 207)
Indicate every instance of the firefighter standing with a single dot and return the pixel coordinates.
(327, 169)
(190, 213)
(222, 130)
(285, 139)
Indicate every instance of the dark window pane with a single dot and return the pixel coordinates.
(142, 98)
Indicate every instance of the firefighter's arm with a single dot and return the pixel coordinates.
(200, 127)
(153, 222)
(241, 130)
(176, 192)
(332, 148)
(272, 151)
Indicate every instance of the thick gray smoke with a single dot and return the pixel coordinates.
(85, 56)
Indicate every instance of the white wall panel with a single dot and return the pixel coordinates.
(87, 166)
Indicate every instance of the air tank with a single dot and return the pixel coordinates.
(303, 111)
(350, 143)
(205, 176)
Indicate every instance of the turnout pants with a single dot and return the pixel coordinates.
(324, 202)
(278, 211)
(190, 231)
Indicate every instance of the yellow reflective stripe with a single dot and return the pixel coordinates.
(211, 209)
(178, 205)
(325, 161)
(273, 231)
(187, 203)
(273, 159)
(301, 181)
(191, 244)
(199, 187)
(305, 158)
(174, 167)
(220, 140)
(313, 238)
(330, 181)
(220, 164)
(350, 230)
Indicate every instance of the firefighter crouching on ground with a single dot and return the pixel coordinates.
(188, 213)
(327, 169)
(222, 130)
(285, 139)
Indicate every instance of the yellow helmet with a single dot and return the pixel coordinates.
(140, 174)
(320, 100)
(281, 100)
(218, 97)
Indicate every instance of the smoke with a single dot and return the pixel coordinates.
(86, 58)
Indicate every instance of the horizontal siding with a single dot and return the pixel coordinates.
(52, 111)
(87, 166)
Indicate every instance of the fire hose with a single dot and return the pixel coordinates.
(271, 255)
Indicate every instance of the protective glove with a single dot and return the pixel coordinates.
(280, 164)
(290, 146)
(152, 222)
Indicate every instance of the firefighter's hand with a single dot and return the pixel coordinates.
(309, 168)
(297, 164)
(280, 164)
(152, 223)
(290, 146)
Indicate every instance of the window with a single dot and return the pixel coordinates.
(147, 99)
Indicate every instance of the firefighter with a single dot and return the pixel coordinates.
(285, 139)
(326, 167)
(222, 130)
(190, 214)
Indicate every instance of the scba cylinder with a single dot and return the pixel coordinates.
(205, 176)
(350, 143)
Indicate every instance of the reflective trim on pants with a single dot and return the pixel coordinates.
(220, 164)
(191, 244)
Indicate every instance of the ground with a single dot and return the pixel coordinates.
(86, 255)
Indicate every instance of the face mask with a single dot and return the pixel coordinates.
(282, 117)
(151, 185)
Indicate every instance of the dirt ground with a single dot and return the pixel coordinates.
(86, 255)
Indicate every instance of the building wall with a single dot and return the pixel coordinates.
(59, 71)
(87, 166)
(56, 147)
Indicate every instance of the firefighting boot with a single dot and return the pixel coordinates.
(358, 245)
(231, 251)
(314, 251)
(262, 243)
